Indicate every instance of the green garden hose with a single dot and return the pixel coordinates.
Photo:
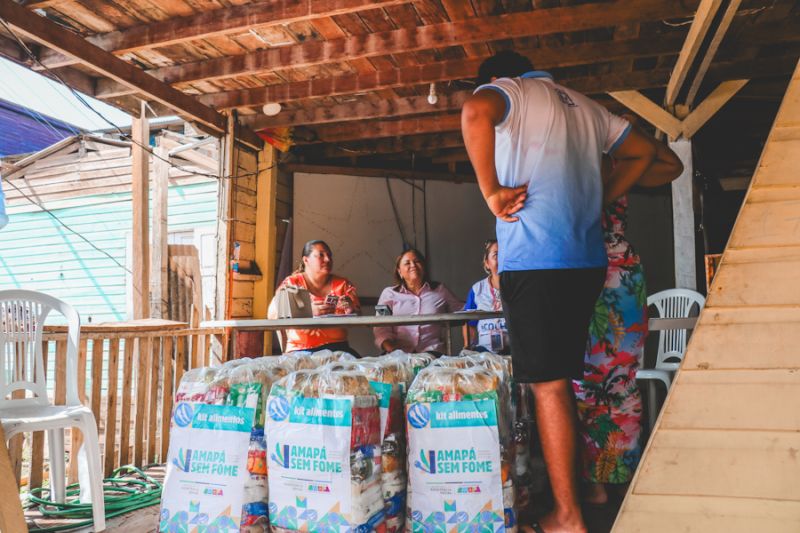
(128, 489)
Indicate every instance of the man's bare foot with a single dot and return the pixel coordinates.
(552, 524)
(596, 494)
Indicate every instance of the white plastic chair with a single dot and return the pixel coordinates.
(671, 303)
(22, 316)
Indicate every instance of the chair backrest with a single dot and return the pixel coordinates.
(674, 303)
(22, 317)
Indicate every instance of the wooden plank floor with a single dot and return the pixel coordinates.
(725, 454)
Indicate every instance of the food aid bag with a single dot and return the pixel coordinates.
(389, 378)
(324, 453)
(458, 468)
(216, 465)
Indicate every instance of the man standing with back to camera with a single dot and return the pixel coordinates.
(536, 149)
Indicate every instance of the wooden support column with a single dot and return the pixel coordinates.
(140, 190)
(266, 235)
(683, 219)
(222, 276)
(159, 280)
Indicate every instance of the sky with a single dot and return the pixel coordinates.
(27, 88)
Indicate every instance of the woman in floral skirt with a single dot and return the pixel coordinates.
(609, 402)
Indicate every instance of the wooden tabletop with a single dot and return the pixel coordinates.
(655, 324)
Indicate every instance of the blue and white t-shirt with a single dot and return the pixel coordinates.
(552, 140)
(492, 333)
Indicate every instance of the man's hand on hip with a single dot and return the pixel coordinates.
(506, 201)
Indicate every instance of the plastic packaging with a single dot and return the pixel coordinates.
(460, 460)
(389, 378)
(217, 470)
(324, 455)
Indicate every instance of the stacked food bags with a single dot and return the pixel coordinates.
(389, 379)
(216, 465)
(458, 423)
(323, 433)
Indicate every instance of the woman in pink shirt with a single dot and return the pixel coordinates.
(415, 294)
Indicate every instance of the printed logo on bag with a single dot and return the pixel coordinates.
(418, 415)
(183, 414)
(278, 408)
(308, 458)
(205, 462)
(452, 461)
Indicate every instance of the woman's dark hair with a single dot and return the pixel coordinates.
(486, 247)
(397, 279)
(504, 64)
(308, 248)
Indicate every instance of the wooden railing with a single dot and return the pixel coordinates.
(127, 374)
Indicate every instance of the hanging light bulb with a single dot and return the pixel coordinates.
(432, 96)
(271, 109)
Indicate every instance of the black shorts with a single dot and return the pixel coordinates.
(547, 314)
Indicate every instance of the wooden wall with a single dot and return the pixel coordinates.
(243, 227)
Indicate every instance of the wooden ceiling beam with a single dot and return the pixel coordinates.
(719, 33)
(227, 20)
(54, 36)
(378, 172)
(409, 143)
(377, 129)
(455, 70)
(712, 16)
(366, 109)
(361, 110)
(533, 23)
(546, 58)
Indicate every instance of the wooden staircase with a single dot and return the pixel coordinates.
(725, 454)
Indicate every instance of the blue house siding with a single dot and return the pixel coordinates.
(23, 131)
(38, 253)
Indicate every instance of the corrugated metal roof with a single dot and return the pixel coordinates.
(23, 130)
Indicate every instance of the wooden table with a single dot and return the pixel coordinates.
(445, 319)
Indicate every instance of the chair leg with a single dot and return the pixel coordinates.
(58, 482)
(91, 449)
(651, 404)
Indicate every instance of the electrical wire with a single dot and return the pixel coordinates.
(128, 489)
(119, 130)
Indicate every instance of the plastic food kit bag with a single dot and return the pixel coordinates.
(388, 377)
(459, 478)
(324, 453)
(216, 466)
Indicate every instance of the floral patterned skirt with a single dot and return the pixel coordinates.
(609, 402)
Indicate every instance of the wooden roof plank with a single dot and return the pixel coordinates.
(223, 21)
(52, 35)
(539, 22)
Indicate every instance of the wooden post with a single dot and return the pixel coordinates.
(11, 517)
(158, 264)
(266, 235)
(223, 275)
(683, 218)
(140, 190)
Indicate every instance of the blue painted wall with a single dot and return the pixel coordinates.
(38, 253)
